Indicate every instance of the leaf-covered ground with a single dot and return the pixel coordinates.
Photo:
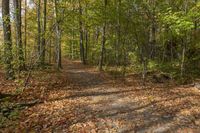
(79, 99)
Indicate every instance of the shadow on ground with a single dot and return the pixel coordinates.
(81, 100)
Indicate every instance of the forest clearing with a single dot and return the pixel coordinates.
(99, 66)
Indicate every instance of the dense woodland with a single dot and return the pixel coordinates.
(136, 35)
(155, 40)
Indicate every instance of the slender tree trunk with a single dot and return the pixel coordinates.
(152, 36)
(184, 43)
(142, 58)
(195, 29)
(102, 49)
(183, 58)
(103, 40)
(171, 49)
(86, 44)
(152, 39)
(118, 42)
(73, 53)
(144, 63)
(50, 44)
(39, 28)
(82, 50)
(43, 43)
(18, 23)
(55, 50)
(70, 46)
(125, 41)
(58, 38)
(25, 32)
(73, 44)
(7, 40)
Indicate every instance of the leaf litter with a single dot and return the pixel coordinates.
(81, 100)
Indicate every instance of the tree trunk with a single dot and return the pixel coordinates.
(82, 52)
(184, 43)
(152, 36)
(7, 39)
(18, 23)
(72, 44)
(86, 44)
(103, 40)
(58, 38)
(50, 44)
(39, 28)
(102, 49)
(183, 58)
(118, 41)
(25, 32)
(144, 73)
(43, 43)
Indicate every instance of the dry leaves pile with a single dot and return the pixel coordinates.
(81, 100)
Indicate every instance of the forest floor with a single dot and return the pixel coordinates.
(79, 99)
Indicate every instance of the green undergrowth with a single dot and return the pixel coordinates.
(171, 69)
(9, 112)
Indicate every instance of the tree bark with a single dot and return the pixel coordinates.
(18, 23)
(144, 63)
(58, 38)
(102, 48)
(152, 36)
(183, 58)
(118, 41)
(7, 40)
(39, 28)
(103, 40)
(25, 32)
(86, 44)
(82, 50)
(43, 43)
(72, 47)
(50, 44)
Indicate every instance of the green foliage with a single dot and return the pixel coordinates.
(178, 22)
(194, 12)
(9, 113)
(128, 32)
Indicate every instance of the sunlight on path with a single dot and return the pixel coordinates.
(85, 101)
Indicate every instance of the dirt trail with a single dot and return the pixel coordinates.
(82, 100)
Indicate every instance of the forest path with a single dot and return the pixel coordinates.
(81, 100)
